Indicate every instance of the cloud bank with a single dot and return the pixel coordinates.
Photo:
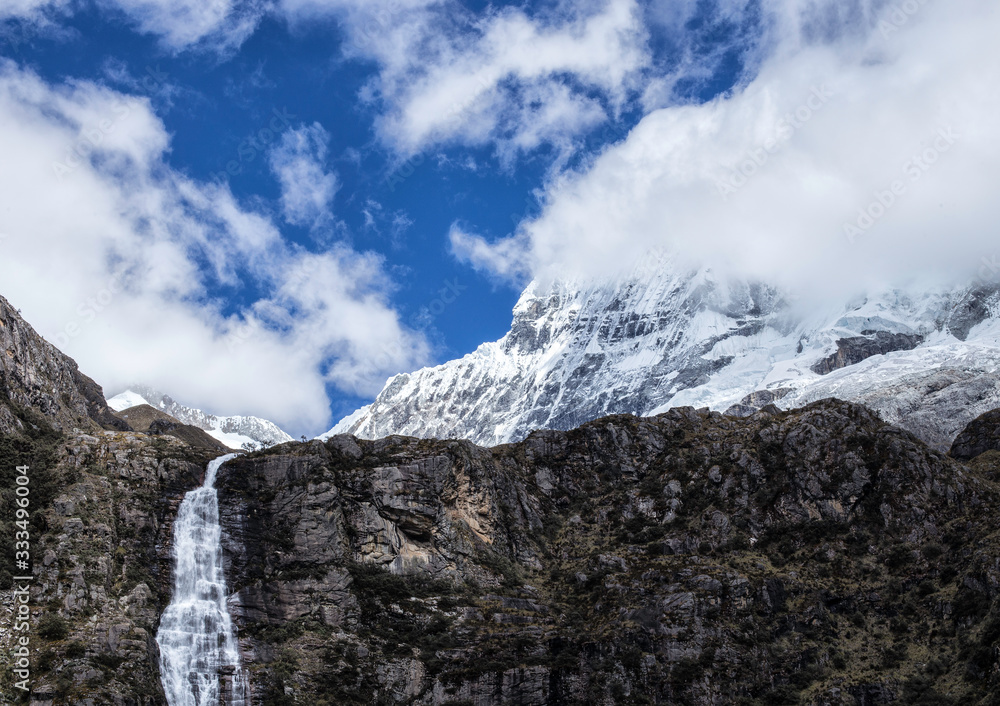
(865, 150)
(111, 254)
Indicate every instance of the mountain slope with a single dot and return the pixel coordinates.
(233, 431)
(35, 375)
(665, 337)
(818, 557)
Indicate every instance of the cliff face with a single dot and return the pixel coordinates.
(103, 509)
(816, 556)
(35, 375)
(102, 505)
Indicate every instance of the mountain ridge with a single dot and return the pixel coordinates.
(234, 431)
(35, 375)
(818, 556)
(666, 337)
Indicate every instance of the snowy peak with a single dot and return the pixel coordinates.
(233, 431)
(578, 351)
(666, 337)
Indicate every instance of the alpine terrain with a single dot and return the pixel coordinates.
(663, 337)
(816, 556)
(234, 431)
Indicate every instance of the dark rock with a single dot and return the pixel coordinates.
(982, 435)
(693, 558)
(851, 351)
(34, 375)
(756, 401)
(972, 310)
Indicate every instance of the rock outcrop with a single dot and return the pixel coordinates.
(818, 556)
(851, 351)
(982, 435)
(103, 507)
(36, 376)
(101, 501)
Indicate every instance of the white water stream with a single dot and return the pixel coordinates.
(197, 638)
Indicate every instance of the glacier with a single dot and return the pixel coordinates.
(664, 336)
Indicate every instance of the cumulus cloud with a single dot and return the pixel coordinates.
(447, 77)
(863, 150)
(506, 260)
(115, 256)
(307, 189)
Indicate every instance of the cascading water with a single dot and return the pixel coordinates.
(197, 638)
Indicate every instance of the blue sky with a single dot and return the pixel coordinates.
(219, 104)
(284, 203)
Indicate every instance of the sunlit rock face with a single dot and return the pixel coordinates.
(692, 557)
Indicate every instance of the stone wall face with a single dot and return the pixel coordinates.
(816, 555)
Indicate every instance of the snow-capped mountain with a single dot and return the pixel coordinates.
(663, 337)
(233, 431)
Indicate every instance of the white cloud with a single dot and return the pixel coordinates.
(307, 189)
(221, 24)
(504, 78)
(507, 260)
(115, 256)
(30, 9)
(891, 84)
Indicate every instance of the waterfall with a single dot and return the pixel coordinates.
(197, 638)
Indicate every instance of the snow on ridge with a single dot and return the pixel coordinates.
(126, 400)
(344, 425)
(664, 337)
(233, 431)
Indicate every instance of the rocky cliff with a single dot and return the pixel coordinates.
(102, 500)
(102, 506)
(818, 556)
(35, 376)
(813, 556)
